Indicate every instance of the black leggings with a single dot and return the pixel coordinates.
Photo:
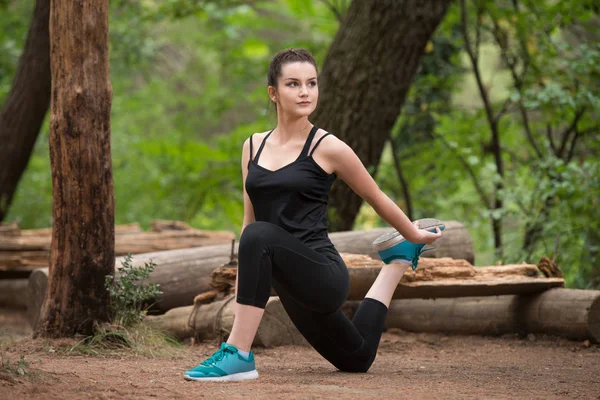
(312, 287)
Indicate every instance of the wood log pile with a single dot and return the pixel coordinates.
(442, 295)
(25, 250)
(197, 285)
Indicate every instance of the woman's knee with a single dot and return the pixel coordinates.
(357, 365)
(255, 236)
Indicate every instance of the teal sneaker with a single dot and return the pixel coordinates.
(392, 246)
(225, 365)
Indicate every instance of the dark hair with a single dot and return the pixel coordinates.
(285, 57)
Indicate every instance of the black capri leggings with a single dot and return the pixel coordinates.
(312, 286)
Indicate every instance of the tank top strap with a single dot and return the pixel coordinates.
(262, 145)
(309, 140)
(318, 141)
(251, 151)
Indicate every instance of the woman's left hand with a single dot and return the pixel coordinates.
(427, 237)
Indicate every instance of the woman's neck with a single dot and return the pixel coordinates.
(289, 129)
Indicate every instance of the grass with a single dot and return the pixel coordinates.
(117, 340)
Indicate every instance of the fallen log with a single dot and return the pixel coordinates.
(455, 242)
(215, 320)
(9, 229)
(124, 229)
(570, 313)
(434, 278)
(13, 293)
(33, 251)
(36, 289)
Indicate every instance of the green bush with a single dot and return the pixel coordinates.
(129, 294)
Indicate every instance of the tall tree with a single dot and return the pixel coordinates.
(366, 76)
(25, 106)
(82, 252)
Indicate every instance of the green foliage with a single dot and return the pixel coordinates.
(536, 55)
(14, 21)
(129, 293)
(189, 86)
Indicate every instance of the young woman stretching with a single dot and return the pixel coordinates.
(287, 175)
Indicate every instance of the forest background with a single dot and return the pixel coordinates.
(189, 86)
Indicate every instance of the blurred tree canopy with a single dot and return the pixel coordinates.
(499, 130)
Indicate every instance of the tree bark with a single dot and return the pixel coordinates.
(25, 106)
(570, 313)
(365, 79)
(83, 233)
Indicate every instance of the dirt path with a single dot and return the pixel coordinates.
(412, 366)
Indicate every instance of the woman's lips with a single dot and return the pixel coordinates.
(304, 103)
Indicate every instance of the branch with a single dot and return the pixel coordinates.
(549, 136)
(518, 82)
(567, 132)
(478, 188)
(572, 147)
(482, 90)
(504, 110)
(588, 130)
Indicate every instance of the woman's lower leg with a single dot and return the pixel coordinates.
(387, 281)
(245, 325)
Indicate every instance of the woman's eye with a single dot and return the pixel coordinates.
(313, 83)
(292, 84)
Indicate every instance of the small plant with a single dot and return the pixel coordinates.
(129, 294)
(9, 369)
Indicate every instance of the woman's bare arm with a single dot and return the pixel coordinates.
(351, 170)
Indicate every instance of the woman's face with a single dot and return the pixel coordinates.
(297, 91)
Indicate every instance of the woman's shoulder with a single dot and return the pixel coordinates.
(327, 140)
(257, 137)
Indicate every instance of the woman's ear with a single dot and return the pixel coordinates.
(273, 94)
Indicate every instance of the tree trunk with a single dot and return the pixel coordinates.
(83, 233)
(365, 79)
(25, 106)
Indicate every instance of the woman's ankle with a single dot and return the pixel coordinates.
(239, 346)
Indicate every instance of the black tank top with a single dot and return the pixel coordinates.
(294, 196)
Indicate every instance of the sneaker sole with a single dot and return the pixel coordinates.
(242, 376)
(391, 239)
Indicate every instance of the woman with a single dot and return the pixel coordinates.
(287, 175)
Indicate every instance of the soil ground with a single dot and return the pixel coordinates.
(408, 365)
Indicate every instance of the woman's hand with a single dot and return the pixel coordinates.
(426, 237)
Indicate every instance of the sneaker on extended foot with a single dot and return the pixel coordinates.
(225, 365)
(392, 246)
